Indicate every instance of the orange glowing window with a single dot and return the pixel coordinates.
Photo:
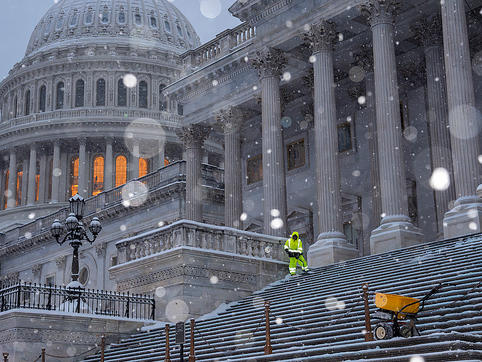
(143, 167)
(166, 162)
(37, 180)
(98, 175)
(120, 170)
(18, 199)
(74, 176)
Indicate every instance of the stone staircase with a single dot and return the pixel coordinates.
(320, 316)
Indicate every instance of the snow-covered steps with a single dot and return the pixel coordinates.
(320, 316)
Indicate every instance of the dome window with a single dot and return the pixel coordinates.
(60, 23)
(138, 19)
(189, 36)
(179, 31)
(73, 20)
(88, 18)
(153, 22)
(47, 28)
(167, 25)
(122, 17)
(104, 17)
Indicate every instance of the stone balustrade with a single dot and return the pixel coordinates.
(223, 44)
(186, 233)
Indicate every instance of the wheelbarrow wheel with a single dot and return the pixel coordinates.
(409, 329)
(383, 331)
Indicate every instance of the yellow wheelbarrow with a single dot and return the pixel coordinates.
(398, 314)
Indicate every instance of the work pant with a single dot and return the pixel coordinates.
(294, 261)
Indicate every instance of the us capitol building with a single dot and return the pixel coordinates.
(356, 123)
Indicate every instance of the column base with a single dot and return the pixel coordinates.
(330, 248)
(395, 232)
(465, 218)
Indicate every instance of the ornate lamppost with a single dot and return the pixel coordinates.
(75, 234)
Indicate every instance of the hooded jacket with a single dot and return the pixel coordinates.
(294, 245)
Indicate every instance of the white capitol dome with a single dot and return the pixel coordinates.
(152, 23)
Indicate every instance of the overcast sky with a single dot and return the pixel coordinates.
(18, 18)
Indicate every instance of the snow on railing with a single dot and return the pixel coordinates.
(186, 233)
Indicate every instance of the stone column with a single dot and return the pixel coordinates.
(429, 32)
(331, 245)
(230, 120)
(12, 179)
(32, 173)
(82, 190)
(269, 64)
(109, 164)
(193, 137)
(56, 172)
(135, 159)
(396, 230)
(465, 123)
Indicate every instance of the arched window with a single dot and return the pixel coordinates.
(100, 92)
(15, 106)
(18, 198)
(73, 19)
(98, 175)
(74, 175)
(79, 93)
(121, 94)
(5, 190)
(60, 23)
(137, 19)
(167, 25)
(105, 17)
(122, 17)
(143, 166)
(42, 99)
(120, 170)
(27, 103)
(153, 22)
(162, 98)
(59, 102)
(143, 94)
(88, 18)
(179, 31)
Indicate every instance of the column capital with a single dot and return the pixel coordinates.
(61, 262)
(269, 62)
(193, 136)
(429, 30)
(57, 142)
(82, 141)
(12, 150)
(109, 140)
(380, 11)
(36, 269)
(33, 145)
(364, 56)
(321, 36)
(230, 119)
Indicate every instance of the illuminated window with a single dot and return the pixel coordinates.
(74, 176)
(120, 170)
(143, 166)
(79, 93)
(166, 162)
(5, 192)
(296, 154)
(162, 98)
(121, 94)
(42, 99)
(255, 169)
(18, 199)
(27, 103)
(143, 94)
(98, 175)
(37, 180)
(100, 93)
(59, 104)
(344, 137)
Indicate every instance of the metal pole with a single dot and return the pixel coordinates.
(368, 326)
(181, 352)
(5, 357)
(75, 259)
(168, 357)
(43, 354)
(102, 348)
(268, 348)
(192, 358)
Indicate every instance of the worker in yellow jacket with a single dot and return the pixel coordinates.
(294, 249)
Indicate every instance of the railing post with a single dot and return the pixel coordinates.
(5, 357)
(368, 326)
(43, 354)
(268, 348)
(168, 357)
(192, 358)
(102, 348)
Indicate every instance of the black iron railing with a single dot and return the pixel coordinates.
(76, 300)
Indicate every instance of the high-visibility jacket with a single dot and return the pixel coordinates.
(294, 245)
